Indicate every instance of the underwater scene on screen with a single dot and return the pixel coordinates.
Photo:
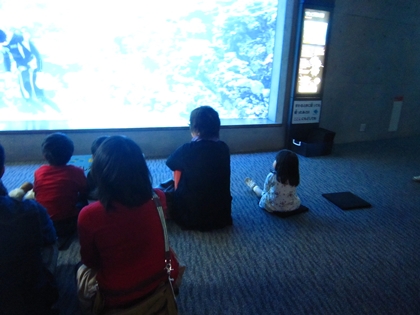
(124, 64)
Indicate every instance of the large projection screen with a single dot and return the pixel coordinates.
(69, 65)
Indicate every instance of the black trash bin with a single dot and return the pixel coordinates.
(319, 141)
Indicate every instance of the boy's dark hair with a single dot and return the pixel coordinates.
(205, 121)
(57, 149)
(121, 173)
(96, 143)
(2, 156)
(287, 168)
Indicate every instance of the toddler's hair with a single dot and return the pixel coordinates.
(96, 143)
(57, 149)
(287, 168)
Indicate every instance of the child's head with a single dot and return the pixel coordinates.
(286, 166)
(121, 173)
(96, 143)
(57, 149)
(205, 122)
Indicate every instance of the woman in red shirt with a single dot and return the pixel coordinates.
(121, 236)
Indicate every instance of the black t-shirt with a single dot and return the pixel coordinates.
(202, 200)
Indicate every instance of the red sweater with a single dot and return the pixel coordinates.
(57, 188)
(125, 246)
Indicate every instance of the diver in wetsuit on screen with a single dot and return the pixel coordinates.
(29, 65)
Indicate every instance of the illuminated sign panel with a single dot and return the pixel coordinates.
(312, 52)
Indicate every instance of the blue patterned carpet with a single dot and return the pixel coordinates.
(325, 261)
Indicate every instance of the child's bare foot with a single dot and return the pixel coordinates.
(250, 183)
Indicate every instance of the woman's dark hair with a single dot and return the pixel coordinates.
(96, 143)
(57, 149)
(287, 168)
(121, 173)
(205, 121)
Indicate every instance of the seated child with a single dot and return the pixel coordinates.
(279, 193)
(92, 187)
(202, 199)
(59, 187)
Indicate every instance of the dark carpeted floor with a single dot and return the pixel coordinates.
(325, 261)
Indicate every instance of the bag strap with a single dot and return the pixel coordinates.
(168, 268)
(159, 208)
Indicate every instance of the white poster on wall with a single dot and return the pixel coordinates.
(306, 112)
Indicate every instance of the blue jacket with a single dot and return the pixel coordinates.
(26, 286)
